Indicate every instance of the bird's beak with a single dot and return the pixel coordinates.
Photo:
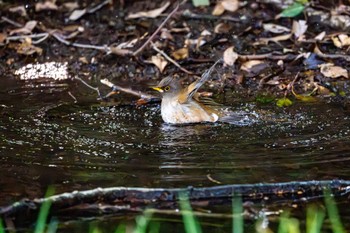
(158, 89)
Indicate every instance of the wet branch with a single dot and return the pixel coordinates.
(127, 90)
(132, 199)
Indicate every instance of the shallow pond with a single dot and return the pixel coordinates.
(46, 138)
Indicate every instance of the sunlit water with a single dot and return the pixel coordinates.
(48, 139)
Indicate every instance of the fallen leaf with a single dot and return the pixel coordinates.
(275, 28)
(27, 29)
(70, 6)
(27, 48)
(200, 3)
(222, 28)
(228, 5)
(77, 14)
(180, 54)
(341, 40)
(284, 102)
(276, 39)
(299, 28)
(20, 10)
(248, 65)
(320, 36)
(230, 56)
(159, 61)
(292, 10)
(329, 70)
(113, 49)
(149, 14)
(205, 33)
(47, 5)
(218, 9)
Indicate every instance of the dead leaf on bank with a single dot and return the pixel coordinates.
(228, 5)
(20, 10)
(250, 65)
(77, 14)
(275, 39)
(329, 70)
(180, 54)
(275, 28)
(119, 51)
(320, 36)
(70, 6)
(47, 5)
(230, 56)
(149, 14)
(299, 28)
(27, 29)
(27, 48)
(159, 61)
(341, 40)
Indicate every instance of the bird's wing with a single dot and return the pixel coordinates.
(193, 87)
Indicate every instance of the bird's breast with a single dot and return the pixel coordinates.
(181, 113)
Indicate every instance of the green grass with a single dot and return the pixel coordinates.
(316, 217)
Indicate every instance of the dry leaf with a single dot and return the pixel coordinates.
(27, 29)
(70, 6)
(149, 14)
(47, 5)
(27, 48)
(205, 33)
(230, 56)
(159, 61)
(341, 40)
(275, 28)
(320, 36)
(218, 9)
(166, 34)
(331, 71)
(115, 49)
(299, 28)
(247, 66)
(275, 39)
(76, 14)
(20, 10)
(230, 5)
(180, 54)
(222, 28)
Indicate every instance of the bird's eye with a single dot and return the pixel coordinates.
(167, 88)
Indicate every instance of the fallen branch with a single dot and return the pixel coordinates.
(158, 29)
(123, 199)
(127, 90)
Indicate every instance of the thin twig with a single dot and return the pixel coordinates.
(191, 15)
(86, 46)
(11, 22)
(89, 86)
(270, 56)
(170, 59)
(45, 34)
(158, 29)
(127, 90)
(99, 6)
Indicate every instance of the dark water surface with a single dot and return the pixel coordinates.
(47, 139)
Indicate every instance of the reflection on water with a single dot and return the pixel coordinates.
(48, 139)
